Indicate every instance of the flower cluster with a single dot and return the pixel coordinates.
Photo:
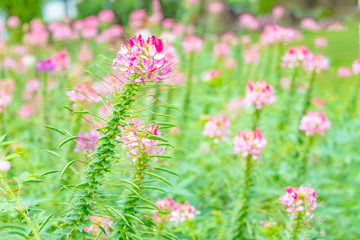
(278, 34)
(320, 42)
(45, 66)
(135, 140)
(295, 56)
(96, 223)
(251, 55)
(5, 99)
(356, 66)
(192, 44)
(313, 123)
(221, 50)
(87, 141)
(5, 166)
(84, 94)
(175, 213)
(249, 142)
(310, 24)
(249, 22)
(344, 72)
(143, 61)
(316, 63)
(259, 93)
(217, 128)
(300, 199)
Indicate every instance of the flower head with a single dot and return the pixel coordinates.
(143, 61)
(278, 12)
(96, 222)
(310, 24)
(295, 56)
(5, 99)
(221, 50)
(300, 199)
(45, 66)
(217, 127)
(314, 123)
(5, 166)
(249, 142)
(175, 213)
(356, 66)
(259, 93)
(192, 44)
(344, 72)
(316, 63)
(320, 42)
(87, 141)
(249, 22)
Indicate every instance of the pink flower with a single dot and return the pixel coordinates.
(335, 27)
(27, 111)
(300, 199)
(344, 72)
(91, 22)
(85, 54)
(216, 7)
(229, 38)
(94, 228)
(249, 22)
(320, 42)
(193, 2)
(33, 85)
(310, 24)
(13, 22)
(267, 224)
(174, 212)
(316, 63)
(89, 32)
(218, 127)
(235, 105)
(61, 60)
(278, 12)
(87, 141)
(168, 23)
(245, 40)
(249, 142)
(143, 61)
(106, 15)
(137, 18)
(5, 166)
(221, 50)
(213, 74)
(251, 55)
(277, 34)
(136, 141)
(5, 99)
(192, 44)
(259, 93)
(84, 94)
(317, 102)
(285, 83)
(295, 56)
(314, 123)
(356, 66)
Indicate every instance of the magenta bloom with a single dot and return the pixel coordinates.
(94, 228)
(135, 141)
(259, 93)
(344, 72)
(316, 63)
(300, 199)
(217, 128)
(5, 166)
(249, 142)
(87, 141)
(143, 61)
(61, 60)
(45, 66)
(356, 66)
(314, 123)
(175, 213)
(5, 99)
(295, 56)
(192, 44)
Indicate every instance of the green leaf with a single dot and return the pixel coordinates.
(66, 141)
(159, 177)
(45, 222)
(2, 138)
(56, 130)
(32, 180)
(167, 125)
(129, 182)
(119, 215)
(49, 172)
(133, 217)
(160, 156)
(66, 167)
(155, 188)
(54, 153)
(171, 106)
(167, 170)
(166, 116)
(155, 137)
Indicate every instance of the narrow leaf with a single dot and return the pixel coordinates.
(66, 167)
(66, 141)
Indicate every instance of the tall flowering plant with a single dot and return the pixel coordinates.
(140, 63)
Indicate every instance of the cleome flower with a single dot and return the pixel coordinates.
(313, 123)
(295, 56)
(143, 61)
(96, 223)
(174, 212)
(316, 63)
(300, 199)
(5, 99)
(249, 142)
(217, 128)
(356, 66)
(259, 93)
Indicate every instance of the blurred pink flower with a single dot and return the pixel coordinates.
(259, 93)
(61, 60)
(137, 18)
(356, 66)
(168, 23)
(5, 99)
(87, 141)
(84, 94)
(314, 123)
(216, 7)
(27, 111)
(85, 54)
(5, 166)
(251, 55)
(310, 24)
(273, 34)
(317, 102)
(249, 142)
(91, 22)
(218, 128)
(249, 22)
(33, 85)
(13, 22)
(89, 32)
(212, 74)
(245, 40)
(295, 56)
(95, 229)
(300, 199)
(106, 15)
(221, 50)
(278, 12)
(316, 63)
(344, 72)
(192, 44)
(320, 42)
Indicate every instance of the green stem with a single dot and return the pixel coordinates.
(305, 157)
(20, 210)
(297, 227)
(189, 83)
(155, 102)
